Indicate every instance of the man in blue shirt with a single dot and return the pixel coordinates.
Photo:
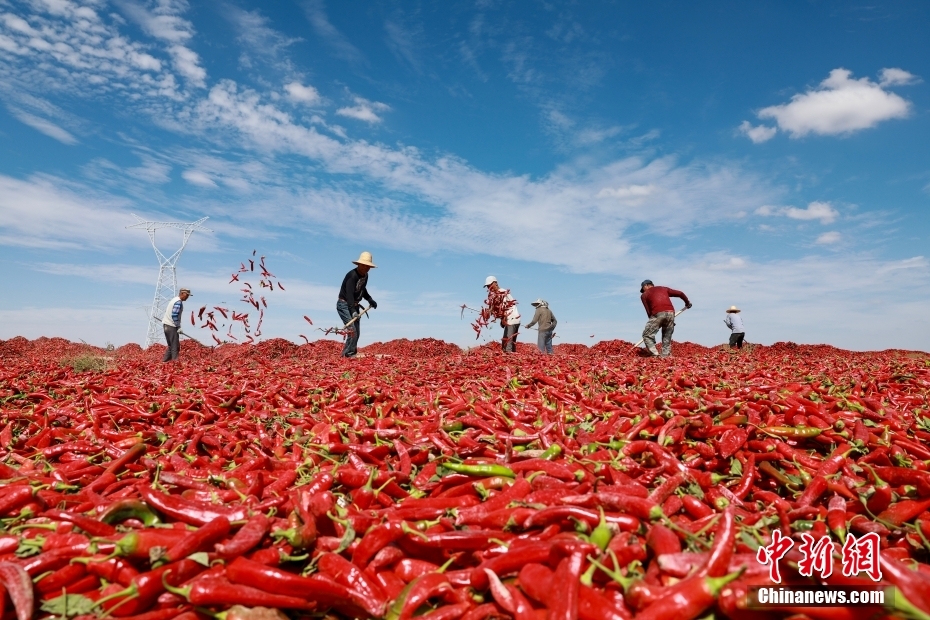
(171, 322)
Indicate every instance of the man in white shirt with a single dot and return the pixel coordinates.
(735, 323)
(504, 307)
(171, 322)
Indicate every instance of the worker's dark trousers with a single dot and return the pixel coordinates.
(174, 343)
(544, 340)
(350, 348)
(736, 340)
(509, 341)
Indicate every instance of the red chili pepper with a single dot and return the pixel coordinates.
(687, 599)
(18, 586)
(409, 569)
(141, 543)
(695, 507)
(662, 540)
(351, 576)
(327, 593)
(556, 514)
(114, 570)
(903, 511)
(61, 578)
(201, 539)
(417, 593)
(15, 497)
(91, 526)
(836, 517)
(147, 587)
(193, 513)
(247, 538)
(567, 574)
(214, 590)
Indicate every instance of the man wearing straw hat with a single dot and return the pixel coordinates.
(171, 322)
(735, 323)
(354, 289)
(547, 323)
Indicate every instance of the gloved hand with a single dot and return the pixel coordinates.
(374, 304)
(687, 306)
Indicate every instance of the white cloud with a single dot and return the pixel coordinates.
(895, 77)
(63, 47)
(198, 177)
(49, 128)
(261, 41)
(41, 213)
(829, 238)
(757, 134)
(364, 110)
(303, 94)
(840, 105)
(338, 43)
(164, 22)
(628, 192)
(816, 210)
(151, 171)
(822, 211)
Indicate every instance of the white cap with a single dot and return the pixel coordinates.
(538, 302)
(490, 280)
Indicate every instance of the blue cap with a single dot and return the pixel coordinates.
(642, 286)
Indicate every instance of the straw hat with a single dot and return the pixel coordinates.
(365, 259)
(733, 309)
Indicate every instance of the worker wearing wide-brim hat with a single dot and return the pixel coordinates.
(354, 289)
(547, 322)
(734, 321)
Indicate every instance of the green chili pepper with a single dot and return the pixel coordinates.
(483, 469)
(800, 432)
(551, 452)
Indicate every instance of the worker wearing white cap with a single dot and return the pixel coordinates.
(504, 307)
(171, 322)
(547, 322)
(735, 322)
(354, 289)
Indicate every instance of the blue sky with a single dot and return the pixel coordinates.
(766, 154)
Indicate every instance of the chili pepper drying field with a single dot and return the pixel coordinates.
(424, 481)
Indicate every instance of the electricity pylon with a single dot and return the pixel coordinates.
(167, 285)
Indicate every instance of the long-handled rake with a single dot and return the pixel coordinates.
(642, 339)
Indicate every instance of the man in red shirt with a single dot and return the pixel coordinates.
(661, 312)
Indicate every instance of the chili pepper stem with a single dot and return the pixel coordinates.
(904, 606)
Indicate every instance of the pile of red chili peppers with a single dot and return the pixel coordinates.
(460, 486)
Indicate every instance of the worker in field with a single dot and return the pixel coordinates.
(354, 289)
(504, 307)
(661, 312)
(734, 321)
(546, 320)
(171, 322)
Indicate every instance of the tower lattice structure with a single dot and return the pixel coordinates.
(167, 285)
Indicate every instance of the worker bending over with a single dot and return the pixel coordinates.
(661, 312)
